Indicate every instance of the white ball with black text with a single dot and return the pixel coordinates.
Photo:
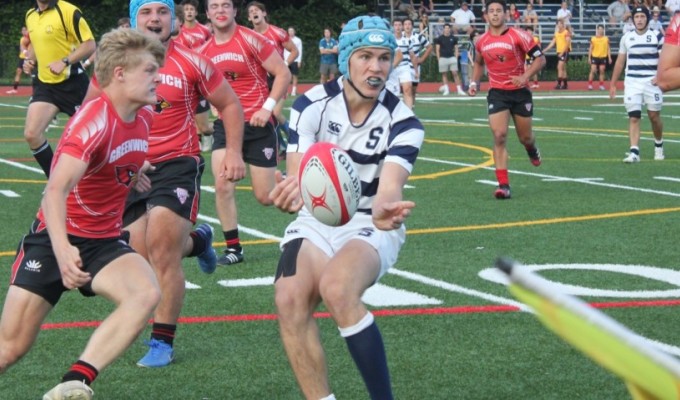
(329, 184)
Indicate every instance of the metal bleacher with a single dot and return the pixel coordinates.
(585, 18)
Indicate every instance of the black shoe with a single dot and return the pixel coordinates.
(230, 256)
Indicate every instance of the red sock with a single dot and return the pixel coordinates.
(502, 177)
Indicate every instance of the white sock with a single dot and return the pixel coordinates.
(365, 322)
(329, 397)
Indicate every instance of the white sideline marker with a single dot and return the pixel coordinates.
(9, 193)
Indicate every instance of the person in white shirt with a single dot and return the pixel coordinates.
(672, 6)
(295, 66)
(655, 24)
(564, 14)
(462, 18)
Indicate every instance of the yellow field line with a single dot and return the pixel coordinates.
(435, 175)
(546, 221)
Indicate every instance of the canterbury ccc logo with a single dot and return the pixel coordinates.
(376, 38)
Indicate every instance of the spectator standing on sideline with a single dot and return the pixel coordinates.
(512, 15)
(462, 18)
(564, 14)
(407, 7)
(530, 16)
(639, 53)
(672, 6)
(599, 55)
(562, 43)
(503, 50)
(295, 66)
(618, 11)
(259, 59)
(426, 8)
(328, 64)
(76, 241)
(55, 29)
(160, 220)
(668, 76)
(655, 24)
(447, 52)
(337, 265)
(24, 42)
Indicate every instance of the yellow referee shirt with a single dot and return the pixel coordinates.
(55, 33)
(600, 46)
(561, 44)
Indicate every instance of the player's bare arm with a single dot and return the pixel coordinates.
(227, 103)
(275, 66)
(65, 175)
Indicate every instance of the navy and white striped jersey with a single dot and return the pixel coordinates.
(391, 133)
(419, 43)
(642, 54)
(405, 45)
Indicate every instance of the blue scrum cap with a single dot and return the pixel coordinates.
(364, 31)
(135, 5)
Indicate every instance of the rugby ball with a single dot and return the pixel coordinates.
(329, 184)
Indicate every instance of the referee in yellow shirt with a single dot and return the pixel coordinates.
(562, 43)
(599, 55)
(60, 39)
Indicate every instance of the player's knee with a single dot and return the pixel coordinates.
(335, 294)
(224, 189)
(9, 354)
(263, 198)
(32, 136)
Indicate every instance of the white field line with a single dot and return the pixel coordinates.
(586, 181)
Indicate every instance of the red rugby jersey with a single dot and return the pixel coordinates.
(240, 60)
(115, 151)
(504, 55)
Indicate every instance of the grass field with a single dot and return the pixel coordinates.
(606, 229)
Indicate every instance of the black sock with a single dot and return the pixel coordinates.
(16, 85)
(368, 352)
(43, 155)
(164, 332)
(232, 241)
(199, 244)
(635, 150)
(81, 372)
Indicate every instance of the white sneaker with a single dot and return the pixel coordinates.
(590, 87)
(443, 88)
(446, 92)
(73, 390)
(11, 91)
(462, 92)
(658, 153)
(631, 158)
(601, 87)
